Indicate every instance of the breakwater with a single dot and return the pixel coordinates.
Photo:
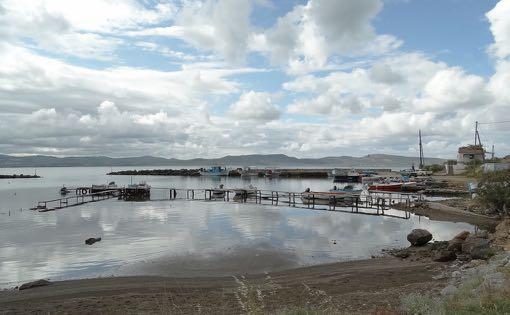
(18, 176)
(159, 172)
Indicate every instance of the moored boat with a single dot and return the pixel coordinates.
(392, 186)
(244, 193)
(215, 171)
(344, 176)
(218, 193)
(333, 196)
(100, 188)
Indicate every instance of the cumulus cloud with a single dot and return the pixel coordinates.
(86, 29)
(220, 26)
(306, 37)
(188, 101)
(500, 28)
(451, 89)
(255, 106)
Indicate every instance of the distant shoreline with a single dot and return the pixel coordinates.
(18, 176)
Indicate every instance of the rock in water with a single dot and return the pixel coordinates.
(419, 237)
(446, 255)
(33, 284)
(92, 240)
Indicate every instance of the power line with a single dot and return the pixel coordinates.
(494, 122)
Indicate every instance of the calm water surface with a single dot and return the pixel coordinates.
(180, 238)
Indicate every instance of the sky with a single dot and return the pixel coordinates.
(209, 78)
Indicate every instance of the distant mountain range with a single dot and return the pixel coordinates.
(259, 160)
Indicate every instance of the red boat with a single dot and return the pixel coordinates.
(386, 187)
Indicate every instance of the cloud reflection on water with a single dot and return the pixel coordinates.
(178, 237)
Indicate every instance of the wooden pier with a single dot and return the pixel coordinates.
(75, 200)
(380, 201)
(371, 203)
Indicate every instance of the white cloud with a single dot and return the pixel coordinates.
(220, 26)
(255, 106)
(86, 29)
(310, 34)
(500, 28)
(451, 89)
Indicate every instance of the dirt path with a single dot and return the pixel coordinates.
(355, 286)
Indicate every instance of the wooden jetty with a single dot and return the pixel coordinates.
(374, 200)
(372, 203)
(75, 200)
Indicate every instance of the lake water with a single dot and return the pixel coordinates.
(180, 238)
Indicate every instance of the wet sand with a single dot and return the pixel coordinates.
(354, 286)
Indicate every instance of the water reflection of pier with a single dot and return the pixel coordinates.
(370, 203)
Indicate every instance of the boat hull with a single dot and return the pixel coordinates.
(386, 187)
(323, 198)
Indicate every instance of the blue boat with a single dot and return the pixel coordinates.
(215, 171)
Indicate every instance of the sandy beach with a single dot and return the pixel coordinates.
(354, 286)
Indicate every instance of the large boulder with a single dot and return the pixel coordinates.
(419, 237)
(455, 244)
(462, 235)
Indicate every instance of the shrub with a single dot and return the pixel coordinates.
(434, 168)
(474, 169)
(494, 190)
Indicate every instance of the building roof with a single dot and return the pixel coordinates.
(472, 149)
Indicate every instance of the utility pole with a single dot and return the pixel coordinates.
(477, 135)
(422, 159)
(476, 130)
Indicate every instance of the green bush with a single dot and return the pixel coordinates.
(434, 168)
(474, 169)
(494, 190)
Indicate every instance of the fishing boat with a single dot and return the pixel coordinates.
(269, 173)
(100, 188)
(344, 176)
(333, 196)
(369, 180)
(391, 186)
(215, 171)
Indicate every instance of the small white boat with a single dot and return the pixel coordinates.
(218, 193)
(244, 193)
(100, 188)
(333, 196)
